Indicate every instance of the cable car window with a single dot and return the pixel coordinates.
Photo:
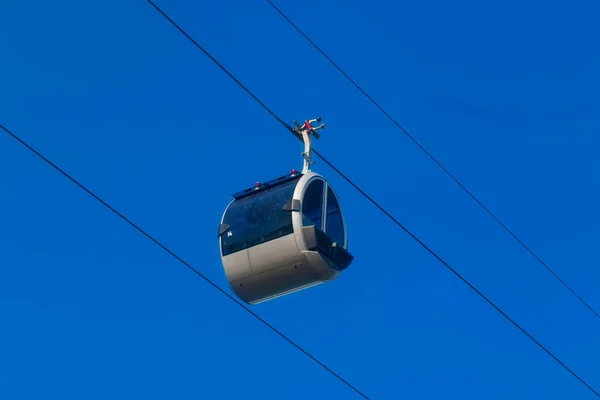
(335, 224)
(312, 205)
(257, 219)
(237, 218)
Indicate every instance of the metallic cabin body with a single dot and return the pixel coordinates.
(298, 260)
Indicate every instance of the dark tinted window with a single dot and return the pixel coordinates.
(335, 225)
(237, 218)
(257, 219)
(312, 205)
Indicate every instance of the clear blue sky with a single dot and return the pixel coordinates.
(504, 94)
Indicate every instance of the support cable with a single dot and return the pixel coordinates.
(287, 126)
(438, 163)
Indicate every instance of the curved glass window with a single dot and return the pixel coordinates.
(335, 224)
(257, 219)
(312, 205)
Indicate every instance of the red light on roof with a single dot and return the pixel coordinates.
(257, 185)
(294, 172)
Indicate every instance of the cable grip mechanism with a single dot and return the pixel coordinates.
(305, 131)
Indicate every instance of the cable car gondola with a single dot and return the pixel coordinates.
(284, 235)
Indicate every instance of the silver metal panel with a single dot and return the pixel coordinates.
(271, 254)
(274, 282)
(237, 265)
(294, 290)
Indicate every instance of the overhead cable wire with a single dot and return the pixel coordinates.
(177, 257)
(413, 236)
(438, 163)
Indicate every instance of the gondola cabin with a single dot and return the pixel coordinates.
(283, 236)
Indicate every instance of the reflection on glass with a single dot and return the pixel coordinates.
(312, 204)
(335, 225)
(257, 219)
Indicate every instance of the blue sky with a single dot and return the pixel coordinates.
(504, 94)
